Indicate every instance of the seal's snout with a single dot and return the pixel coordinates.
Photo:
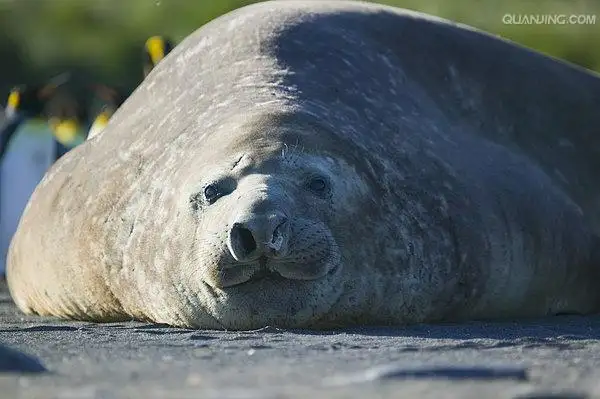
(259, 235)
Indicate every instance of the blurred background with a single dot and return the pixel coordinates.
(102, 41)
(102, 38)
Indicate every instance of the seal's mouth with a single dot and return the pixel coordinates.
(264, 273)
(265, 270)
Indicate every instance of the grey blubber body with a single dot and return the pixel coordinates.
(323, 164)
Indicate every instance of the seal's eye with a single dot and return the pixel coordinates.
(318, 185)
(211, 193)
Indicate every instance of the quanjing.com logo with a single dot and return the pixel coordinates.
(549, 19)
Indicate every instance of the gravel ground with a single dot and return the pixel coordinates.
(544, 358)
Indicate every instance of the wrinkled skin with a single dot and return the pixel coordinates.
(324, 164)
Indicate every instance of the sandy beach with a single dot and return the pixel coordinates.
(544, 358)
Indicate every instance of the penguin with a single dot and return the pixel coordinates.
(155, 50)
(26, 102)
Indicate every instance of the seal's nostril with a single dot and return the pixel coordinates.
(246, 240)
(278, 235)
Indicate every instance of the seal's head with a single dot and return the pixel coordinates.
(270, 218)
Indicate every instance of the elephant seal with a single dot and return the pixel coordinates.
(323, 164)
